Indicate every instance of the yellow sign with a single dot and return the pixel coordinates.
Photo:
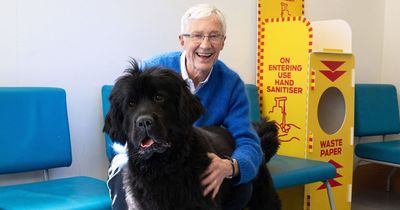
(309, 93)
(331, 102)
(282, 79)
(280, 8)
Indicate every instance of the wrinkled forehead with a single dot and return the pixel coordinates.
(206, 25)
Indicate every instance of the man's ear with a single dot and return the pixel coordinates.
(223, 43)
(181, 41)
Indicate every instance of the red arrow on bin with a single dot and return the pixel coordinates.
(332, 74)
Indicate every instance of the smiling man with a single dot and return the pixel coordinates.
(202, 42)
(222, 93)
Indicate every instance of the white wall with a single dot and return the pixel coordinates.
(366, 18)
(81, 45)
(391, 44)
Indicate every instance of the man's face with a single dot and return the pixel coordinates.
(202, 54)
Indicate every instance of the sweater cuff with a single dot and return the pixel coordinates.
(247, 171)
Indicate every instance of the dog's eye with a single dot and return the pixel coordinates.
(158, 98)
(132, 104)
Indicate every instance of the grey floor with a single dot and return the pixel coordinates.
(376, 201)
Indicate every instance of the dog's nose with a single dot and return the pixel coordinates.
(144, 121)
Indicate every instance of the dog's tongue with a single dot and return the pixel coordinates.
(147, 143)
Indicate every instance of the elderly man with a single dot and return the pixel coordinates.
(222, 93)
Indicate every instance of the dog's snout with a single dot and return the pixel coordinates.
(144, 121)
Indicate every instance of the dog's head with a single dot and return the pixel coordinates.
(147, 106)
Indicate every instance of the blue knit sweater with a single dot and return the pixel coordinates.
(227, 105)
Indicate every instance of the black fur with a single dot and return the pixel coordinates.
(153, 112)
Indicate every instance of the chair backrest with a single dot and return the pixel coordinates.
(252, 94)
(34, 131)
(376, 110)
(105, 92)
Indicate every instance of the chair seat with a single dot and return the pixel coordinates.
(69, 193)
(387, 151)
(291, 171)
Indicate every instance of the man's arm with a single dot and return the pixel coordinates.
(248, 151)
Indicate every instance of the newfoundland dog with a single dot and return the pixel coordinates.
(152, 112)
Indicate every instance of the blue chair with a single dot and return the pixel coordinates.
(289, 171)
(105, 92)
(377, 114)
(34, 135)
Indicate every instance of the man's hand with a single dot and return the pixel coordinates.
(215, 174)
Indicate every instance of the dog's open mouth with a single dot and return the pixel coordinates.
(149, 146)
(148, 142)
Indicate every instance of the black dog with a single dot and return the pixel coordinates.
(153, 112)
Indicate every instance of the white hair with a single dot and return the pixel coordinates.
(201, 11)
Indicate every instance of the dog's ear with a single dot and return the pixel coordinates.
(190, 107)
(114, 119)
(113, 123)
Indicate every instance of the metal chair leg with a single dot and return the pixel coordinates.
(330, 195)
(389, 178)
